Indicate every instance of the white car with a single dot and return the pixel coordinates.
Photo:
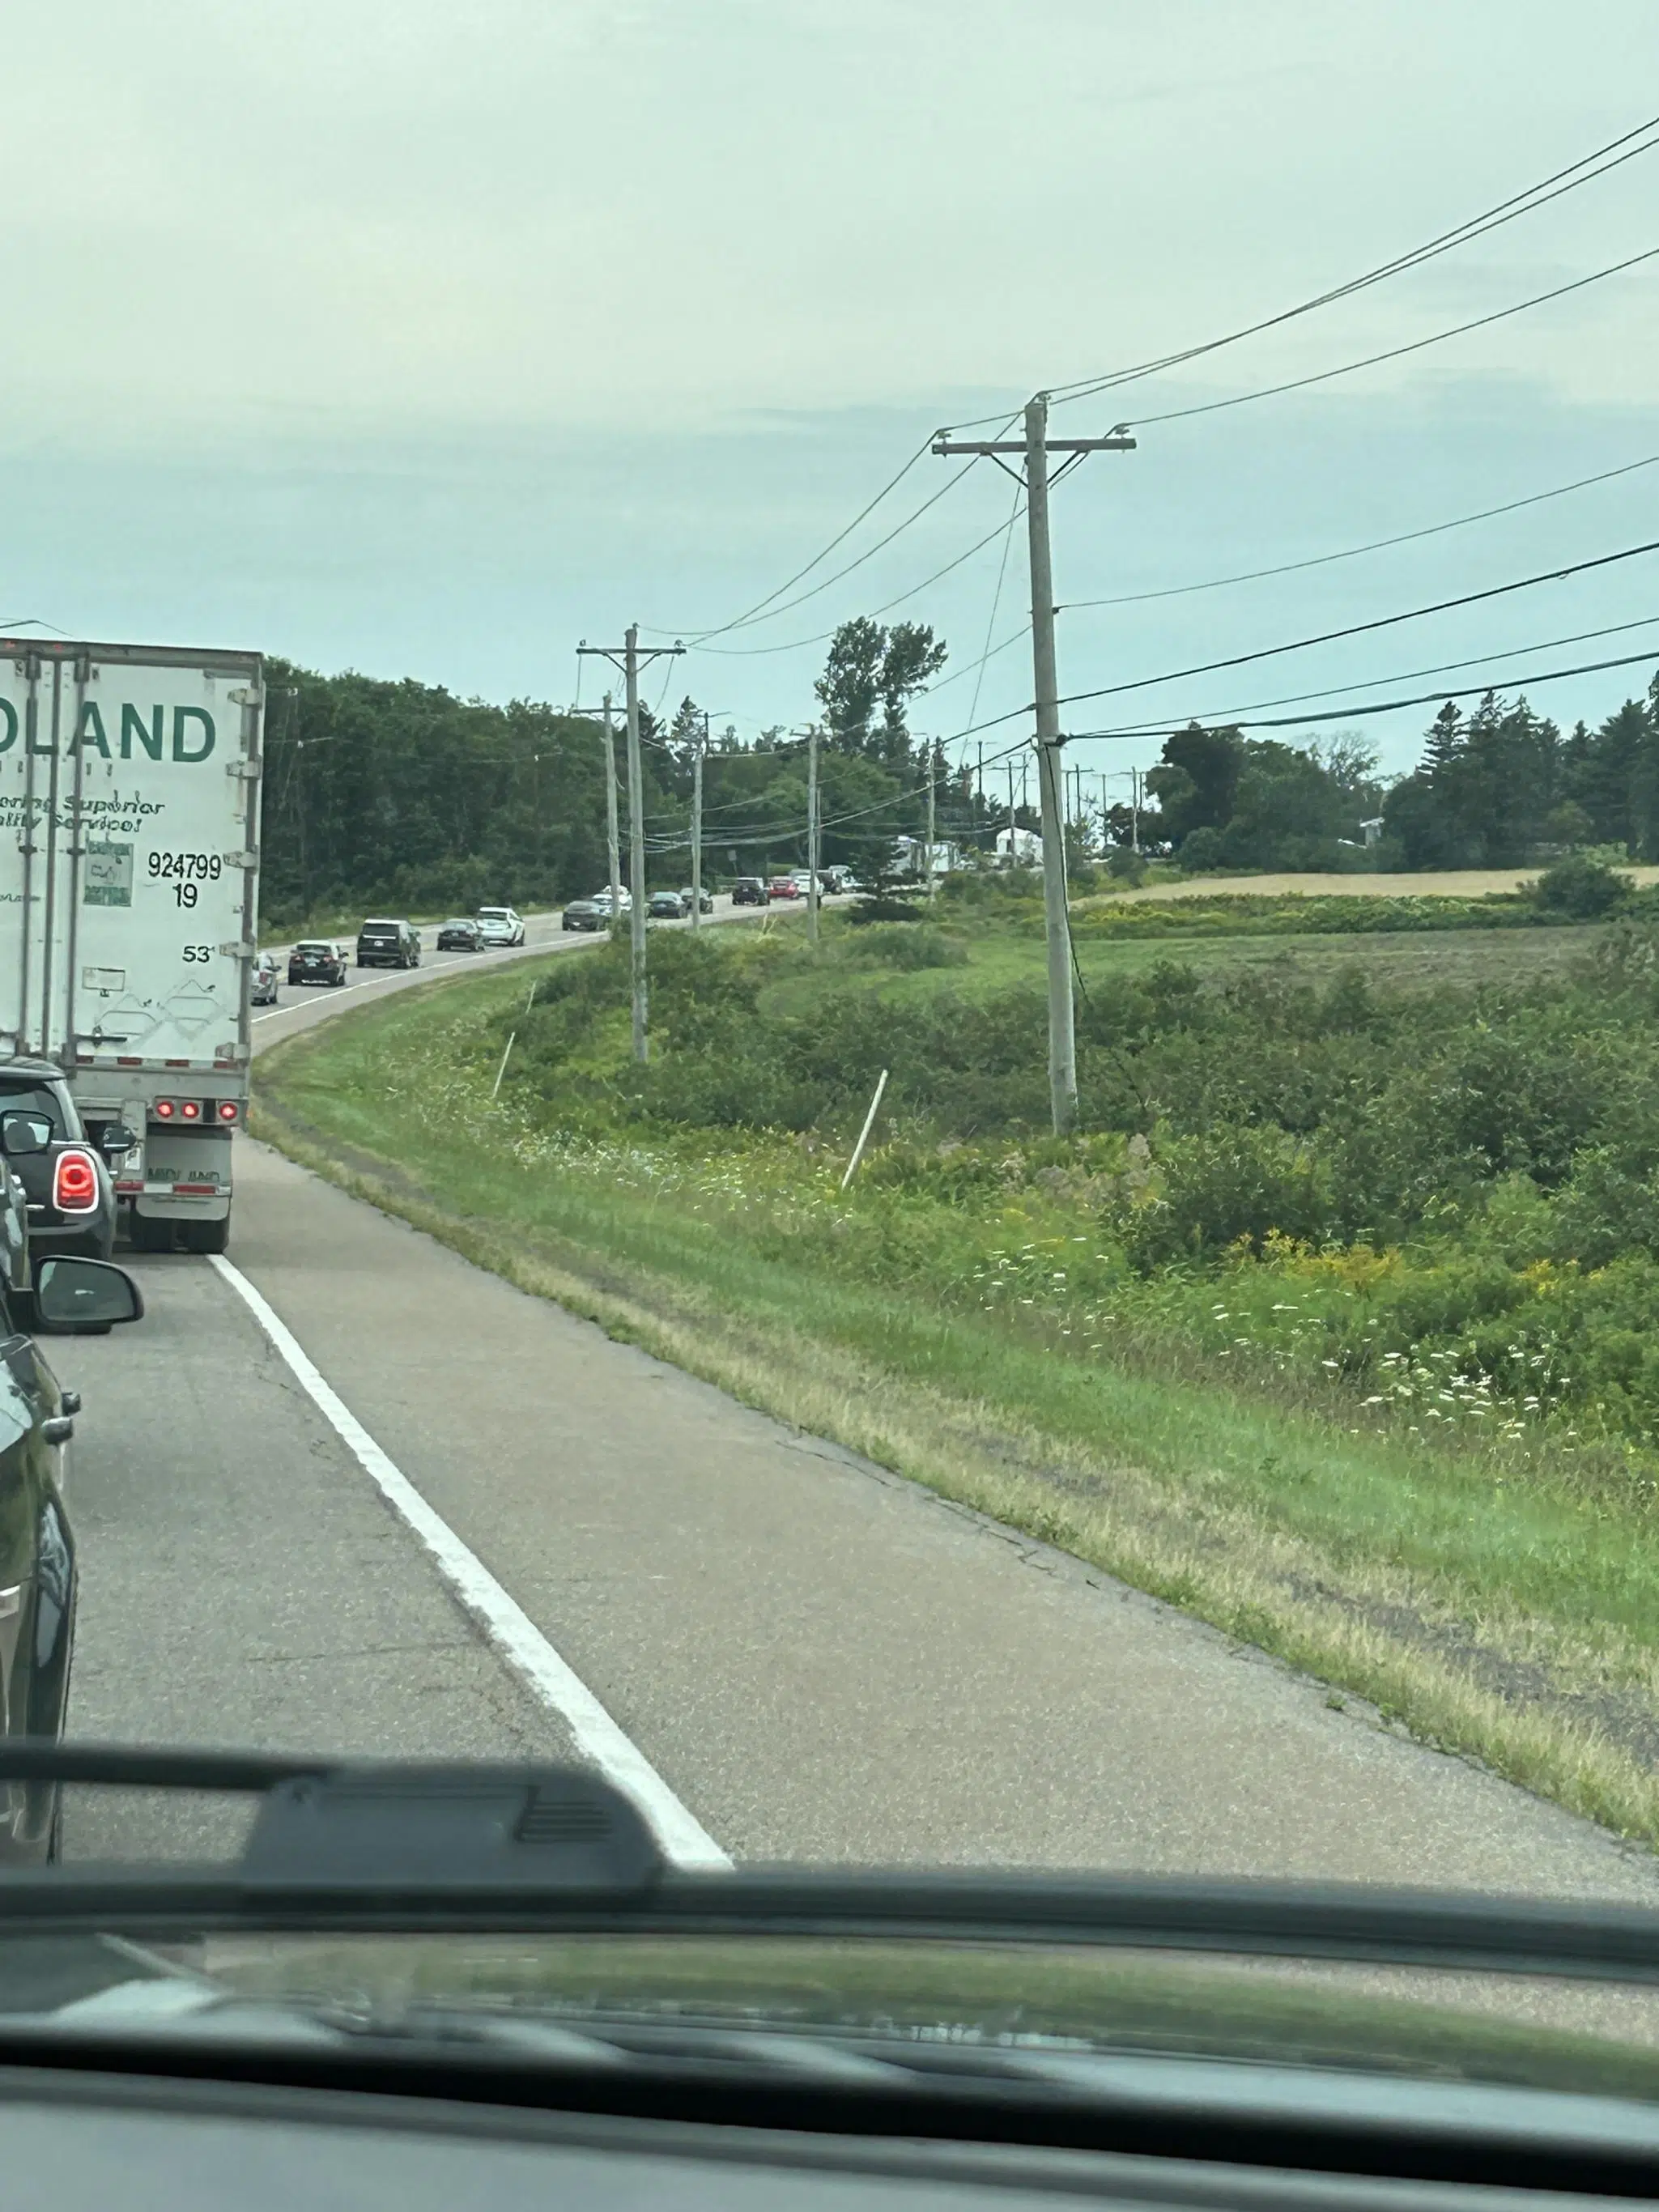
(499, 925)
(624, 900)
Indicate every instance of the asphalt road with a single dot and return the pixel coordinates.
(818, 1659)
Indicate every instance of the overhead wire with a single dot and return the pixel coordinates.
(996, 598)
(1393, 705)
(1229, 717)
(1353, 552)
(1523, 203)
(796, 644)
(1358, 630)
(789, 583)
(1393, 353)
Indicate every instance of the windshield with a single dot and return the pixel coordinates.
(1057, 1272)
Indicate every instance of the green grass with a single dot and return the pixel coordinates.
(1496, 1606)
(1001, 958)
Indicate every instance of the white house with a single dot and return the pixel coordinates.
(1019, 849)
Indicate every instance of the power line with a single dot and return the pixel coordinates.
(1358, 629)
(1353, 552)
(887, 606)
(957, 675)
(1227, 717)
(1392, 706)
(996, 601)
(840, 537)
(1520, 203)
(766, 611)
(1395, 353)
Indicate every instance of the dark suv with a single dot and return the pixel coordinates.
(388, 945)
(748, 890)
(66, 1182)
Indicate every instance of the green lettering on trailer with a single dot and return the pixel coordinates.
(132, 725)
(181, 715)
(91, 732)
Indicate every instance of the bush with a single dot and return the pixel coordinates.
(1125, 866)
(887, 946)
(1580, 888)
(878, 908)
(1225, 1188)
(1202, 849)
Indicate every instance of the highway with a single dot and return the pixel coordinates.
(285, 1474)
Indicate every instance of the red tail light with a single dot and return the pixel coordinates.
(190, 1110)
(75, 1183)
(228, 1109)
(163, 1109)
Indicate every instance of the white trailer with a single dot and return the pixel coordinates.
(129, 876)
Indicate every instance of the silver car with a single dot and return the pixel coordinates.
(262, 991)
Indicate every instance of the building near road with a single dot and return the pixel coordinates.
(1019, 849)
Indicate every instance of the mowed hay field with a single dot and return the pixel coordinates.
(1455, 883)
(1413, 959)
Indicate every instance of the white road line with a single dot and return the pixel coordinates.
(508, 1627)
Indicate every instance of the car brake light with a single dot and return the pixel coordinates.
(75, 1183)
(190, 1110)
(165, 1110)
(228, 1109)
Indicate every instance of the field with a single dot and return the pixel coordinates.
(1450, 883)
(1333, 1326)
(994, 961)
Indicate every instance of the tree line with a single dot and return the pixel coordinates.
(401, 795)
(1498, 786)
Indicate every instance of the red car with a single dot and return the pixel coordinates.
(783, 887)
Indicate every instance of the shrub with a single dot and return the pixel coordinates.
(1228, 1187)
(1125, 866)
(887, 946)
(1202, 849)
(879, 909)
(1580, 888)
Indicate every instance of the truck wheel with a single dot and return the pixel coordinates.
(204, 1236)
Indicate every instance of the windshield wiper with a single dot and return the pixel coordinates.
(346, 1846)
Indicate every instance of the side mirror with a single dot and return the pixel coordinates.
(76, 1294)
(21, 1133)
(116, 1138)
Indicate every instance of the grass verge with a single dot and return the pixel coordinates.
(1518, 1625)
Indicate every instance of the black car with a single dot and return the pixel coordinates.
(750, 890)
(67, 1185)
(586, 913)
(388, 945)
(317, 961)
(37, 1576)
(703, 901)
(462, 935)
(665, 905)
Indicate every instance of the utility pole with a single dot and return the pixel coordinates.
(812, 834)
(630, 658)
(1036, 447)
(697, 823)
(1134, 809)
(612, 840)
(933, 767)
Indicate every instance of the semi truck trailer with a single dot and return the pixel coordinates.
(129, 906)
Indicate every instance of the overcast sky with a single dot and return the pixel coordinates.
(427, 338)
